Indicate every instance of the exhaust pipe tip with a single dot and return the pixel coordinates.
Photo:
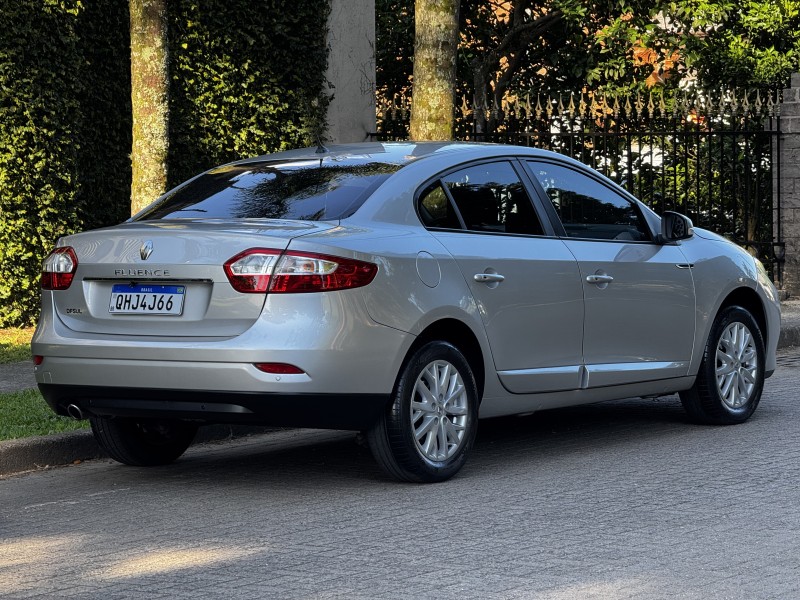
(74, 411)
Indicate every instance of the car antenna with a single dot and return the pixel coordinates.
(321, 149)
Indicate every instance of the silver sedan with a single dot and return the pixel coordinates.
(399, 289)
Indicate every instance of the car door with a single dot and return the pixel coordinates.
(524, 279)
(639, 294)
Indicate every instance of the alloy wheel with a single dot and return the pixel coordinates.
(439, 411)
(736, 365)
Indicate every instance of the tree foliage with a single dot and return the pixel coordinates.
(515, 46)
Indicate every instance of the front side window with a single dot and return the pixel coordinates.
(313, 190)
(491, 198)
(587, 208)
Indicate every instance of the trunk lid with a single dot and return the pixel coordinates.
(175, 268)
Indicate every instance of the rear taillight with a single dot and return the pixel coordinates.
(261, 270)
(59, 269)
(249, 271)
(306, 272)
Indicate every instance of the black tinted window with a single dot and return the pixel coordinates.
(587, 208)
(491, 197)
(436, 210)
(310, 189)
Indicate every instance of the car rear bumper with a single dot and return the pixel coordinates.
(324, 411)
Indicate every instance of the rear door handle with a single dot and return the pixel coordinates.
(488, 277)
(599, 278)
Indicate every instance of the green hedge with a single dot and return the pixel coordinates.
(247, 78)
(62, 147)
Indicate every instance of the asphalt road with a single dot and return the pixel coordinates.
(615, 500)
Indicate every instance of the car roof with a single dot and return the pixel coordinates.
(400, 152)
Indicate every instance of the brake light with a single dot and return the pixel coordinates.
(305, 272)
(260, 270)
(59, 269)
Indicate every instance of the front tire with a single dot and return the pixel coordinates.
(143, 442)
(731, 377)
(425, 434)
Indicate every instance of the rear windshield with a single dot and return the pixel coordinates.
(313, 190)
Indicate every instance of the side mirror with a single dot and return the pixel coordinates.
(674, 227)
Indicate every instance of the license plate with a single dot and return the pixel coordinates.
(141, 299)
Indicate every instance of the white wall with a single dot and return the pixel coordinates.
(351, 70)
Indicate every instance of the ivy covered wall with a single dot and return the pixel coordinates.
(246, 78)
(64, 133)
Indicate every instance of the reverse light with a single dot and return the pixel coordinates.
(59, 269)
(249, 271)
(259, 270)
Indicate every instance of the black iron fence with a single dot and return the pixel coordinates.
(711, 156)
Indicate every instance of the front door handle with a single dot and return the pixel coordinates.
(599, 278)
(488, 277)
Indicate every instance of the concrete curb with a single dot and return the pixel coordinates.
(789, 338)
(28, 454)
(18, 456)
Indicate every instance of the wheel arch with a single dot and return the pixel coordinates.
(748, 299)
(462, 337)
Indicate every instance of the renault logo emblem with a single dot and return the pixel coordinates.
(146, 250)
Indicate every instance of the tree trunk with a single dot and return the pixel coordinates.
(435, 47)
(149, 97)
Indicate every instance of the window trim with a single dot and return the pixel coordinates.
(524, 178)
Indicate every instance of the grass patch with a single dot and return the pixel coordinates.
(15, 344)
(25, 414)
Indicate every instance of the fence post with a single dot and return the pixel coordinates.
(786, 194)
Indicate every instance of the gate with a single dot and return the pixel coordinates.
(711, 156)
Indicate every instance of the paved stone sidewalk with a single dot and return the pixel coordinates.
(613, 501)
(17, 376)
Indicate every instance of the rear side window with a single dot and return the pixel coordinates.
(435, 209)
(313, 190)
(488, 197)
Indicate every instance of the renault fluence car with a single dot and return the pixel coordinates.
(400, 289)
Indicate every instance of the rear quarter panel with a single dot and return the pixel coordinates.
(418, 282)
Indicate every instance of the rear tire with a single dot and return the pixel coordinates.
(425, 434)
(143, 442)
(731, 377)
